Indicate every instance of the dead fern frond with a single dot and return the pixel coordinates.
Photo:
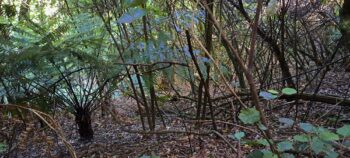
(51, 123)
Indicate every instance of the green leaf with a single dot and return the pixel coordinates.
(318, 146)
(328, 136)
(301, 138)
(286, 122)
(269, 154)
(321, 129)
(132, 15)
(263, 142)
(307, 127)
(344, 131)
(249, 116)
(267, 95)
(284, 146)
(289, 91)
(262, 127)
(239, 135)
(301, 147)
(256, 154)
(272, 91)
(332, 154)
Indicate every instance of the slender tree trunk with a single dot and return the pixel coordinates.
(153, 99)
(150, 77)
(209, 46)
(143, 95)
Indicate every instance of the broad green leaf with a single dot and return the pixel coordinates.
(267, 95)
(307, 127)
(328, 136)
(249, 116)
(272, 91)
(262, 127)
(269, 154)
(256, 154)
(132, 15)
(289, 91)
(284, 146)
(301, 138)
(344, 131)
(239, 135)
(321, 129)
(301, 146)
(332, 154)
(263, 142)
(318, 146)
(286, 122)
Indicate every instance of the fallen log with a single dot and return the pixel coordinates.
(335, 100)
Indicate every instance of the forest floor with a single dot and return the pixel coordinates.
(124, 137)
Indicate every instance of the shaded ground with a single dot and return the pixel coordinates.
(112, 140)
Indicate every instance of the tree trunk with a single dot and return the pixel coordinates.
(83, 120)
